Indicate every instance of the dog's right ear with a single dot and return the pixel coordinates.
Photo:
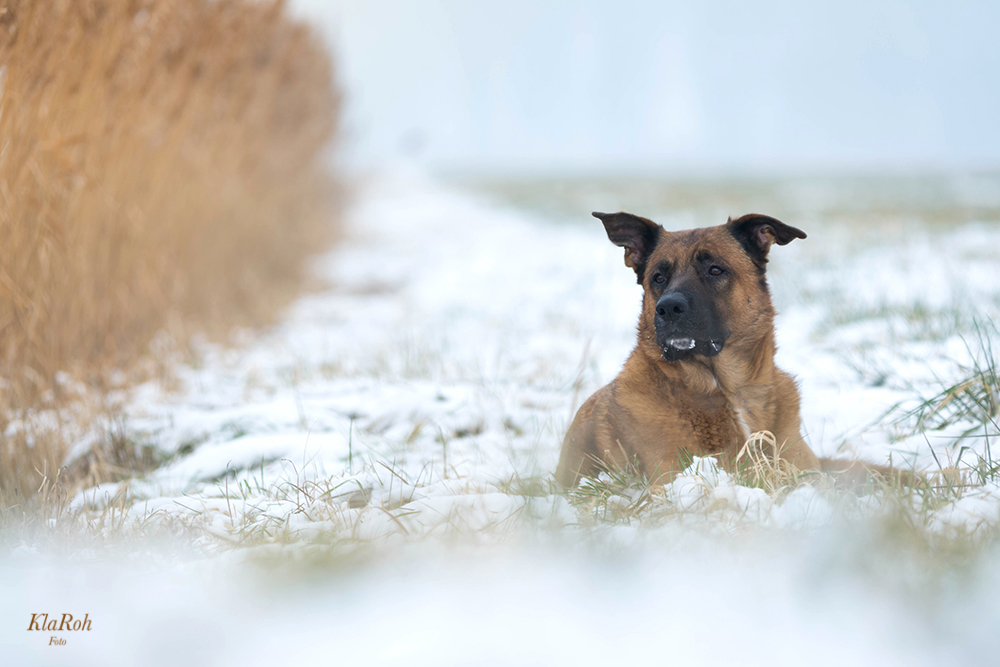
(637, 235)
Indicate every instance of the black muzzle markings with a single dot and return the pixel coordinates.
(687, 325)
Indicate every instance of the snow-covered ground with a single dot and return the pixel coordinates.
(370, 480)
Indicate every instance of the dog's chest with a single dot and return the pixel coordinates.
(717, 426)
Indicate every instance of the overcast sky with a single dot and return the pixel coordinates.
(659, 86)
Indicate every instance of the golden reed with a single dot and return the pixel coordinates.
(159, 159)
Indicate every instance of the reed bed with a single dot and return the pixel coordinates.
(163, 163)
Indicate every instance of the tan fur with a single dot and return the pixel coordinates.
(657, 411)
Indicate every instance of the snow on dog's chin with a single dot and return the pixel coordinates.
(674, 349)
(680, 343)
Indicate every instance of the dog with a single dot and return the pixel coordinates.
(702, 376)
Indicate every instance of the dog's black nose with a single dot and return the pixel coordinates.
(672, 306)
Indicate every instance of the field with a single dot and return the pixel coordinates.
(369, 480)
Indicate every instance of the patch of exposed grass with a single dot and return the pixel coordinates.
(970, 404)
(618, 493)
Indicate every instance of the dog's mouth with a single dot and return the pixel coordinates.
(681, 343)
(680, 347)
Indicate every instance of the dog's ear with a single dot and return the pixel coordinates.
(758, 232)
(637, 235)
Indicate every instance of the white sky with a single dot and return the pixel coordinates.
(591, 86)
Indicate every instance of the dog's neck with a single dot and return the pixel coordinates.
(739, 378)
(735, 370)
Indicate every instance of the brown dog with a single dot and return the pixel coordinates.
(702, 376)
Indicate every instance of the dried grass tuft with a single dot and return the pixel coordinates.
(760, 464)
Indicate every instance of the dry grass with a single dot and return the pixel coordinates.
(760, 464)
(161, 162)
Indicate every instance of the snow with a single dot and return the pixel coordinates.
(401, 427)
(696, 602)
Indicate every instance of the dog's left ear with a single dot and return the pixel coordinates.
(637, 235)
(758, 232)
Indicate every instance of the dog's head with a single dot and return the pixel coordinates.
(704, 288)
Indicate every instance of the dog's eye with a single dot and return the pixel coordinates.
(716, 271)
(659, 279)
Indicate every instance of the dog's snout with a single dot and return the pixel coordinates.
(673, 306)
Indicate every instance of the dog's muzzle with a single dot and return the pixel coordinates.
(684, 329)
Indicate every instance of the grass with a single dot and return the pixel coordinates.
(618, 493)
(915, 321)
(278, 504)
(965, 413)
(163, 165)
(972, 402)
